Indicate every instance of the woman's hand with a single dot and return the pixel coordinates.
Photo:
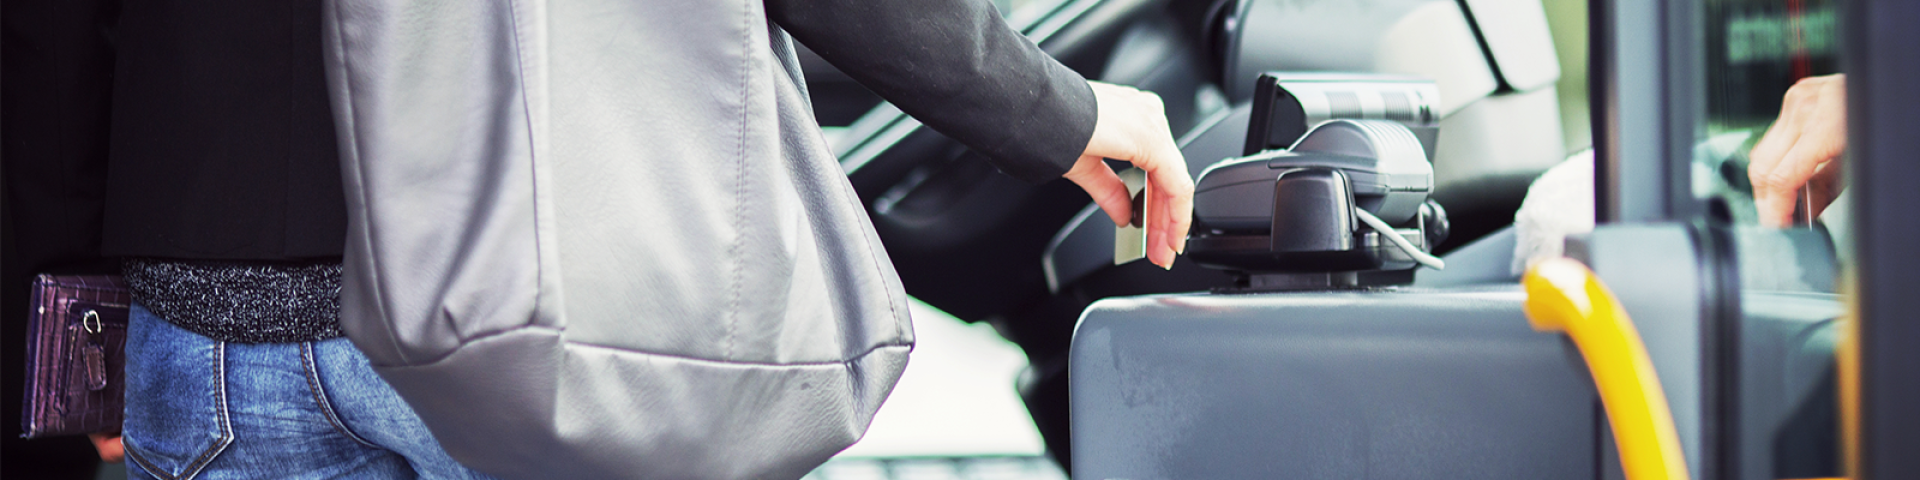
(1801, 150)
(108, 444)
(1132, 127)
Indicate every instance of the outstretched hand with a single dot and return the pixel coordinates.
(1801, 150)
(1132, 127)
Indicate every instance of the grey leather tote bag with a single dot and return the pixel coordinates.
(605, 238)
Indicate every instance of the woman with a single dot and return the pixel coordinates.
(226, 197)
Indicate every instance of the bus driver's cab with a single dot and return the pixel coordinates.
(1353, 303)
(1675, 339)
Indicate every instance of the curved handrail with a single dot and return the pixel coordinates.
(1563, 295)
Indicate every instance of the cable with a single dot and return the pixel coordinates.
(1394, 236)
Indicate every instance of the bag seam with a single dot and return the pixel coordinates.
(852, 359)
(740, 177)
(557, 331)
(352, 149)
(540, 294)
(867, 240)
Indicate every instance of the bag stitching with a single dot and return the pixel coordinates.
(352, 150)
(533, 162)
(740, 177)
(844, 361)
(557, 331)
(879, 267)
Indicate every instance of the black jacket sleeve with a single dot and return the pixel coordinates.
(957, 67)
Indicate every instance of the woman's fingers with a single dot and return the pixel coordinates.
(1173, 189)
(1132, 127)
(1783, 185)
(1809, 135)
(1772, 198)
(1106, 188)
(109, 446)
(1171, 206)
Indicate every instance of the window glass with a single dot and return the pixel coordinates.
(1755, 51)
(1791, 247)
(1022, 14)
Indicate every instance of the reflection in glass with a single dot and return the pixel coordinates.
(1755, 52)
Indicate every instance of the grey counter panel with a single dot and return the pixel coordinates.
(1407, 383)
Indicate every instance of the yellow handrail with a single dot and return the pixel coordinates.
(1563, 295)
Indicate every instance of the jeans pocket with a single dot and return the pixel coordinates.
(177, 419)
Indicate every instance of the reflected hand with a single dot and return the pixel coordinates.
(1132, 127)
(1801, 150)
(108, 444)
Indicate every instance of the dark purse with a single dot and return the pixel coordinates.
(76, 358)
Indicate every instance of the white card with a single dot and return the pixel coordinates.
(1130, 242)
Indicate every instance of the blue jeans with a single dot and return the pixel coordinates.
(200, 408)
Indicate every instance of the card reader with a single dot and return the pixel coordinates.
(1347, 205)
